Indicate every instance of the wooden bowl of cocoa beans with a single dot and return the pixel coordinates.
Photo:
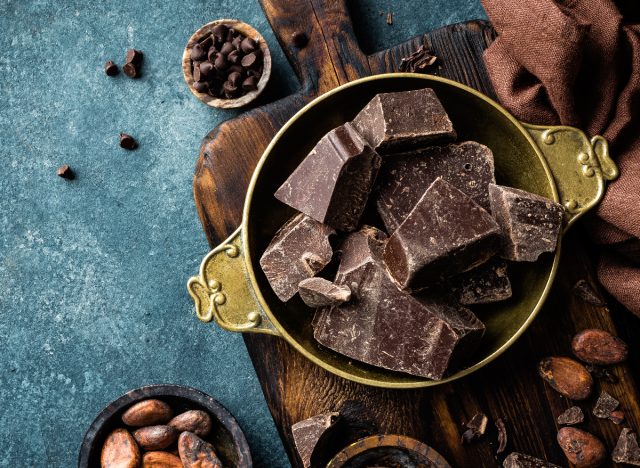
(164, 425)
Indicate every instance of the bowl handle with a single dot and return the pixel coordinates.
(222, 290)
(580, 167)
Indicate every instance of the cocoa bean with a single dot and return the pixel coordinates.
(567, 376)
(160, 460)
(147, 413)
(120, 451)
(582, 449)
(596, 346)
(196, 421)
(155, 437)
(196, 453)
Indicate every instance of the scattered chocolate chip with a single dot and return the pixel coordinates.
(617, 416)
(133, 62)
(476, 428)
(110, 68)
(418, 61)
(134, 56)
(197, 53)
(201, 86)
(220, 32)
(573, 415)
(65, 172)
(587, 293)
(300, 39)
(502, 436)
(248, 45)
(602, 373)
(250, 83)
(127, 142)
(390, 18)
(605, 405)
(520, 460)
(627, 449)
(130, 70)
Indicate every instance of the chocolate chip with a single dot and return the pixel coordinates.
(230, 91)
(220, 31)
(198, 53)
(236, 42)
(127, 142)
(231, 34)
(211, 54)
(226, 48)
(201, 86)
(130, 70)
(133, 56)
(249, 60)
(110, 68)
(256, 73)
(206, 42)
(250, 84)
(133, 62)
(234, 56)
(299, 39)
(248, 45)
(206, 68)
(197, 74)
(220, 62)
(234, 78)
(236, 69)
(65, 172)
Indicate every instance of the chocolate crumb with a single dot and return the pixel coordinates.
(110, 68)
(585, 291)
(390, 18)
(627, 449)
(602, 373)
(573, 415)
(299, 39)
(127, 142)
(418, 61)
(476, 428)
(65, 172)
(502, 436)
(605, 405)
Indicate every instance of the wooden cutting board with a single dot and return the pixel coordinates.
(509, 388)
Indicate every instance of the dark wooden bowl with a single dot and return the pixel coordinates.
(226, 435)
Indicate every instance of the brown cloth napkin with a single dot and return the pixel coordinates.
(578, 63)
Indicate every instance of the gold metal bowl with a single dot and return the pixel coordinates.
(560, 163)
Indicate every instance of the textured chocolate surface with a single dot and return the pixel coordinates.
(319, 292)
(403, 178)
(573, 415)
(299, 250)
(605, 405)
(530, 223)
(332, 184)
(520, 460)
(627, 449)
(308, 432)
(445, 234)
(393, 122)
(385, 327)
(484, 284)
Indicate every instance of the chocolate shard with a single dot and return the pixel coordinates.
(530, 223)
(332, 184)
(573, 415)
(307, 434)
(393, 122)
(503, 438)
(587, 293)
(484, 284)
(605, 405)
(445, 234)
(387, 328)
(319, 292)
(627, 449)
(520, 460)
(476, 428)
(299, 250)
(468, 166)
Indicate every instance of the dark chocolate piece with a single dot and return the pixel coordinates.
(418, 61)
(132, 63)
(299, 250)
(65, 172)
(520, 460)
(530, 223)
(502, 436)
(605, 405)
(220, 32)
(333, 182)
(385, 327)
(393, 122)
(468, 166)
(484, 284)
(476, 428)
(445, 234)
(587, 293)
(319, 292)
(299, 39)
(198, 53)
(250, 83)
(627, 449)
(110, 68)
(573, 415)
(308, 432)
(127, 142)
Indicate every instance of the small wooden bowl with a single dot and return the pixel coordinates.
(248, 31)
(226, 435)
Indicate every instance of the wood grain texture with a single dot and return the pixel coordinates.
(509, 388)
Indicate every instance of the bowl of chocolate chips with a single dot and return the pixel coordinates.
(226, 63)
(402, 230)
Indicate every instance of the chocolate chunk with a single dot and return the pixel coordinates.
(198, 53)
(573, 415)
(476, 428)
(127, 142)
(299, 250)
(333, 182)
(392, 122)
(484, 284)
(110, 68)
(419, 61)
(530, 223)
(587, 293)
(627, 449)
(387, 328)
(468, 166)
(502, 436)
(299, 39)
(307, 433)
(319, 292)
(65, 172)
(520, 460)
(445, 234)
(605, 405)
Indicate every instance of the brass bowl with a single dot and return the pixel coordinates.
(560, 163)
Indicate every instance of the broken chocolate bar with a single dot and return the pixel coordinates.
(520, 460)
(573, 415)
(393, 122)
(319, 292)
(605, 405)
(484, 284)
(308, 432)
(402, 179)
(332, 184)
(385, 327)
(530, 223)
(445, 234)
(627, 449)
(299, 250)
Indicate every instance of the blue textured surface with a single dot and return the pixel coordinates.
(93, 271)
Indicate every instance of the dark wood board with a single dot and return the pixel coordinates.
(509, 388)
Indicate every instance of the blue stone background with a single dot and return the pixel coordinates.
(93, 271)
